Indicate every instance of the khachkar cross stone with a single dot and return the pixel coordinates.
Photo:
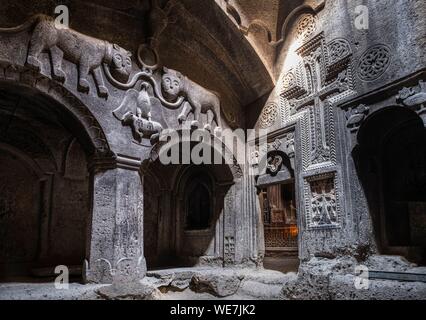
(321, 79)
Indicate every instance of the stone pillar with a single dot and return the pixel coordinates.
(115, 245)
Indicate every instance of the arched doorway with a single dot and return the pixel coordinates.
(184, 214)
(44, 197)
(391, 163)
(277, 198)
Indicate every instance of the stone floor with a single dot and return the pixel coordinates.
(282, 264)
(317, 279)
(171, 284)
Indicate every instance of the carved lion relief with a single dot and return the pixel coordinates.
(87, 53)
(199, 99)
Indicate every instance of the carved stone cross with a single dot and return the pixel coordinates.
(321, 76)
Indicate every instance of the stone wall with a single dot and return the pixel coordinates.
(330, 77)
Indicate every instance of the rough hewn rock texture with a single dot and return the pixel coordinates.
(82, 182)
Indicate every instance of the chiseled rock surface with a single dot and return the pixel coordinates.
(205, 283)
(317, 279)
(47, 291)
(342, 288)
(334, 279)
(129, 291)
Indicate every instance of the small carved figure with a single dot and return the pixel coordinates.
(135, 111)
(199, 99)
(411, 97)
(274, 163)
(86, 52)
(356, 115)
(143, 128)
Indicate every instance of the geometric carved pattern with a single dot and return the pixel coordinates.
(289, 80)
(322, 201)
(310, 90)
(229, 248)
(306, 26)
(374, 62)
(280, 237)
(338, 49)
(269, 115)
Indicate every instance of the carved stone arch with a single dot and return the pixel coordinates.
(55, 92)
(183, 175)
(148, 174)
(375, 117)
(390, 162)
(227, 155)
(74, 162)
(24, 206)
(279, 168)
(24, 138)
(31, 163)
(296, 14)
(185, 180)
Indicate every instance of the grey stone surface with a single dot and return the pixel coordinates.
(128, 291)
(82, 109)
(315, 282)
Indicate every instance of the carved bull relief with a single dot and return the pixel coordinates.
(86, 52)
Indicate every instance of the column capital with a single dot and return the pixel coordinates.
(114, 161)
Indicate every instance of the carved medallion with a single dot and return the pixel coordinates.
(269, 115)
(289, 80)
(338, 49)
(306, 26)
(374, 62)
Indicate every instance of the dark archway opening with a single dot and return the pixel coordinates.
(198, 203)
(277, 198)
(391, 162)
(44, 187)
(184, 214)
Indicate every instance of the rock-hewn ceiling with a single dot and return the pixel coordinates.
(226, 45)
(265, 22)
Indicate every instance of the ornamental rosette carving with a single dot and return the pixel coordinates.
(374, 62)
(269, 115)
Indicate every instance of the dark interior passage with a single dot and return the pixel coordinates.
(184, 214)
(44, 188)
(391, 160)
(280, 227)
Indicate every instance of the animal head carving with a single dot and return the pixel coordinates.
(121, 63)
(171, 83)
